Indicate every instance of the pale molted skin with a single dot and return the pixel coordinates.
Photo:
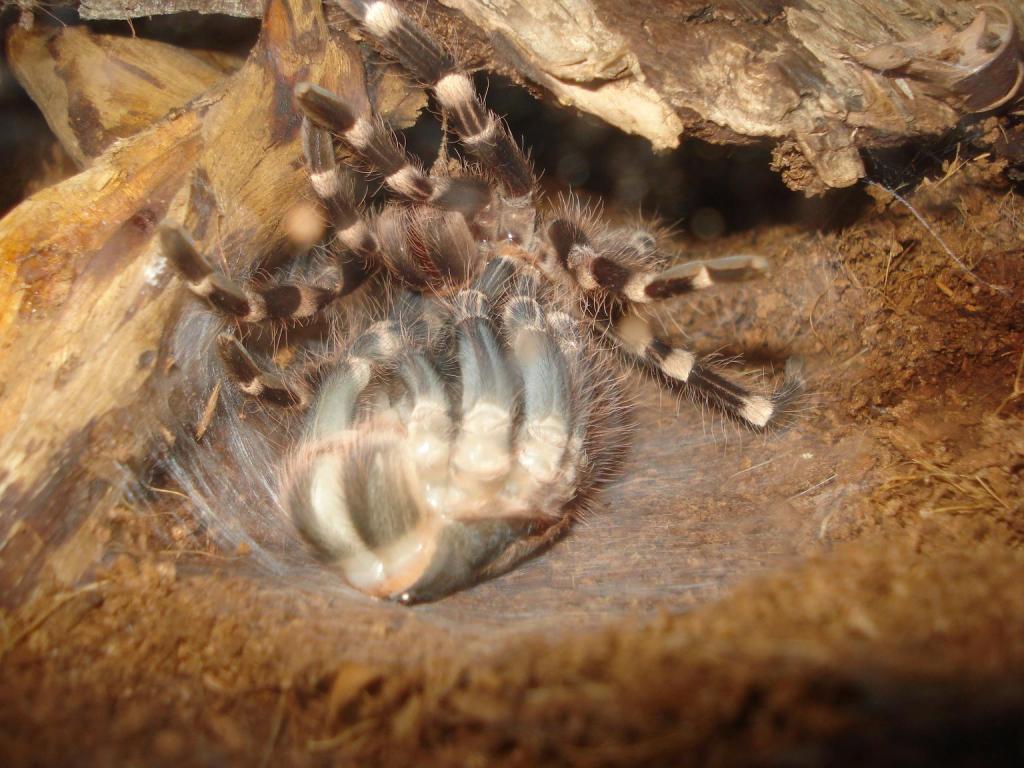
(459, 434)
(415, 484)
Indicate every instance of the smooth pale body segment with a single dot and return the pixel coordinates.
(542, 441)
(482, 453)
(354, 490)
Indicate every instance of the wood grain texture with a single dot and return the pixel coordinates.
(94, 89)
(821, 80)
(87, 297)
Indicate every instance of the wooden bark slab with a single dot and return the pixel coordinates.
(86, 297)
(84, 309)
(94, 89)
(821, 80)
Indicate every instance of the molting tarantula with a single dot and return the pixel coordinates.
(453, 438)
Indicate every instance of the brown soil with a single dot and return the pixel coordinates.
(843, 591)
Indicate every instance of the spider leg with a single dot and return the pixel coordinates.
(378, 147)
(579, 463)
(354, 249)
(643, 285)
(479, 129)
(677, 366)
(429, 427)
(354, 496)
(626, 278)
(482, 452)
(257, 383)
(695, 275)
(546, 427)
(356, 488)
(282, 301)
(353, 252)
(517, 453)
(378, 347)
(628, 265)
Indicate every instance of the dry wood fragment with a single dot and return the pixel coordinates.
(821, 80)
(94, 89)
(84, 309)
(86, 297)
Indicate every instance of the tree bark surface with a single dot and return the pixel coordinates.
(821, 80)
(86, 295)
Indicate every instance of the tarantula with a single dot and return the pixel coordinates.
(453, 438)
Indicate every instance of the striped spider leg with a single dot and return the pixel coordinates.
(463, 432)
(622, 271)
(351, 254)
(615, 269)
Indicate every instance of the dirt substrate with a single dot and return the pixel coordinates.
(845, 591)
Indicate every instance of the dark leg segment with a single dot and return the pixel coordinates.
(345, 219)
(354, 249)
(479, 129)
(628, 266)
(376, 145)
(679, 366)
(255, 382)
(278, 302)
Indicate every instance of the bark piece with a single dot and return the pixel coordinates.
(572, 51)
(979, 68)
(120, 9)
(84, 307)
(94, 89)
(828, 78)
(86, 296)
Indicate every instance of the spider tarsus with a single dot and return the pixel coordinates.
(324, 108)
(180, 249)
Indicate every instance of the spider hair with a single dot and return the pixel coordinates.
(463, 429)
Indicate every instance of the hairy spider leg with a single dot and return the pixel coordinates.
(481, 131)
(429, 427)
(634, 334)
(581, 451)
(677, 366)
(353, 252)
(542, 442)
(377, 147)
(352, 488)
(627, 264)
(353, 248)
(482, 452)
(252, 380)
(274, 302)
